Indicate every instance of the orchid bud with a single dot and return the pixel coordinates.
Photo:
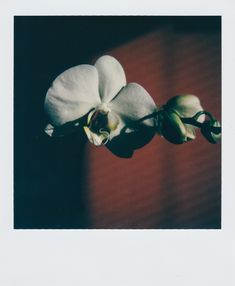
(171, 118)
(172, 128)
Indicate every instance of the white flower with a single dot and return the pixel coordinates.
(98, 99)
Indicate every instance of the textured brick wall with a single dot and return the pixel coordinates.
(163, 185)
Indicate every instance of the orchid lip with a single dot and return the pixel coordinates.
(96, 139)
(100, 123)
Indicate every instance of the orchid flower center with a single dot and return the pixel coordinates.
(100, 123)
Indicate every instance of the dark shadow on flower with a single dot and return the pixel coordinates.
(126, 143)
(75, 126)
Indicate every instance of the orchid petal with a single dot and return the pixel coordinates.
(129, 140)
(111, 77)
(134, 103)
(49, 129)
(72, 94)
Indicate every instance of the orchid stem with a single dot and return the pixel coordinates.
(193, 121)
(187, 120)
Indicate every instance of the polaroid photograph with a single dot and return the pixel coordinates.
(117, 143)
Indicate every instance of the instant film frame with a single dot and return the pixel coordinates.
(66, 182)
(115, 257)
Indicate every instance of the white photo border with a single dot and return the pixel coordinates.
(116, 257)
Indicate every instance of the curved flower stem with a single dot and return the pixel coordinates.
(187, 120)
(193, 121)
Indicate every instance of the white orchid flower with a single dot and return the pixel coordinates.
(98, 99)
(172, 124)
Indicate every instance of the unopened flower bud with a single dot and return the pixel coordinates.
(172, 128)
(171, 118)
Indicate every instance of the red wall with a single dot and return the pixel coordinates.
(163, 185)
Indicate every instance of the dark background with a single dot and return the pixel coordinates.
(66, 182)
